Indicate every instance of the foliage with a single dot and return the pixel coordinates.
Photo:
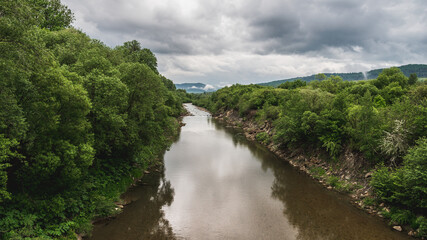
(421, 225)
(292, 85)
(333, 181)
(394, 144)
(333, 114)
(263, 137)
(78, 120)
(317, 172)
(369, 201)
(320, 76)
(384, 120)
(413, 78)
(407, 185)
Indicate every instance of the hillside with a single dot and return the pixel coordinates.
(419, 69)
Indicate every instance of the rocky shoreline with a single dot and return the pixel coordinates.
(349, 175)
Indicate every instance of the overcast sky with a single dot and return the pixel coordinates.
(223, 42)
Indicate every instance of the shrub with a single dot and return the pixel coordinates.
(421, 226)
(263, 137)
(317, 172)
(333, 181)
(406, 186)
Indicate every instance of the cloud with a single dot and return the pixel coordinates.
(208, 87)
(247, 41)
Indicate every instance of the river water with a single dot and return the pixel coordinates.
(217, 185)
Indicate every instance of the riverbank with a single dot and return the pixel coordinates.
(134, 178)
(349, 174)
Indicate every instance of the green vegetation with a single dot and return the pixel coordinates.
(78, 120)
(369, 201)
(384, 120)
(292, 85)
(406, 187)
(317, 172)
(263, 137)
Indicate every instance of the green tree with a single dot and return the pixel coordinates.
(320, 76)
(390, 75)
(413, 78)
(78, 120)
(109, 96)
(133, 52)
(6, 153)
(57, 141)
(364, 126)
(56, 16)
(292, 85)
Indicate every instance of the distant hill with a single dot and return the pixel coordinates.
(419, 69)
(195, 87)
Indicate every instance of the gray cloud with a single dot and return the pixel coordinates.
(251, 40)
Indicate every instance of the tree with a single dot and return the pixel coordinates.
(390, 75)
(132, 46)
(292, 85)
(364, 126)
(6, 153)
(133, 52)
(320, 76)
(78, 120)
(413, 78)
(56, 15)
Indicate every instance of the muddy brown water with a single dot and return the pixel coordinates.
(217, 185)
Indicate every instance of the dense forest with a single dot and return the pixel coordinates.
(78, 120)
(407, 70)
(382, 120)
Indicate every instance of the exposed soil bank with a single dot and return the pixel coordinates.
(350, 174)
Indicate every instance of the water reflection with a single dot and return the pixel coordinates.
(315, 212)
(143, 218)
(217, 185)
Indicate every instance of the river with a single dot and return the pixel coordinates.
(217, 185)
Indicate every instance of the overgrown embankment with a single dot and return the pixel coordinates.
(346, 174)
(367, 138)
(78, 121)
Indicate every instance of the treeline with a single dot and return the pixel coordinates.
(78, 120)
(407, 70)
(384, 120)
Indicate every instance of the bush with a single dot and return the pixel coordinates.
(334, 181)
(369, 201)
(317, 172)
(263, 137)
(421, 226)
(406, 186)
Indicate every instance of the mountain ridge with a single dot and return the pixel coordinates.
(419, 69)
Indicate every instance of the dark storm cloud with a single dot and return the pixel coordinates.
(227, 33)
(316, 26)
(280, 27)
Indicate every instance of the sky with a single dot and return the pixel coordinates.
(222, 42)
